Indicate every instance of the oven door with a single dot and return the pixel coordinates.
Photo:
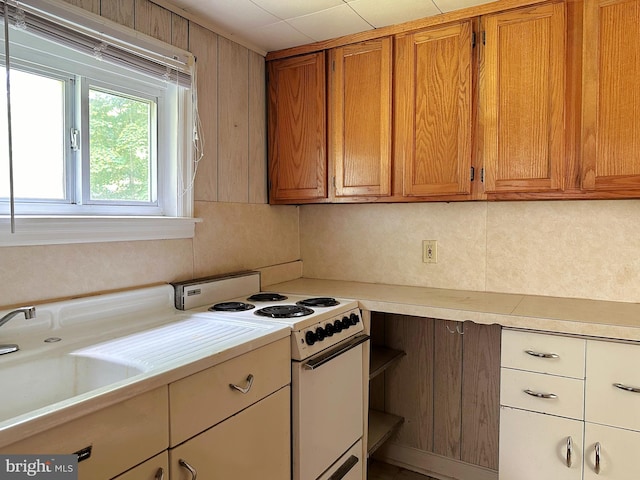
(327, 391)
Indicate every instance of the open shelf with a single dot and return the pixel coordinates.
(381, 426)
(382, 358)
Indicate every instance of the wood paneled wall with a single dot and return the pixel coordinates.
(447, 387)
(231, 99)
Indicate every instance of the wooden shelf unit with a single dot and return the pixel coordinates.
(381, 424)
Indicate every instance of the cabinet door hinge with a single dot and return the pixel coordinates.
(472, 176)
(482, 174)
(333, 66)
(334, 181)
(484, 37)
(473, 40)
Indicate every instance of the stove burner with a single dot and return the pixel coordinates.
(284, 311)
(267, 297)
(318, 302)
(231, 307)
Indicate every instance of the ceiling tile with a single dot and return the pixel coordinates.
(331, 23)
(286, 9)
(277, 36)
(450, 5)
(380, 14)
(235, 16)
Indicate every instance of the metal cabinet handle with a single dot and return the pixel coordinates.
(627, 388)
(541, 355)
(569, 451)
(243, 389)
(540, 395)
(597, 466)
(192, 471)
(160, 474)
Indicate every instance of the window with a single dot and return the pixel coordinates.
(93, 136)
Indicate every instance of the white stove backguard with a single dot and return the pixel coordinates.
(207, 291)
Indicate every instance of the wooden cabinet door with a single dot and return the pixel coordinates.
(255, 443)
(534, 446)
(522, 85)
(432, 110)
(611, 96)
(297, 129)
(360, 118)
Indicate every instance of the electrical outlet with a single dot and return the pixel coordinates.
(430, 251)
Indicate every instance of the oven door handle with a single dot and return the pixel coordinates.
(345, 468)
(341, 348)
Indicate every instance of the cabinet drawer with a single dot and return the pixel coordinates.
(609, 363)
(206, 398)
(552, 354)
(121, 436)
(568, 401)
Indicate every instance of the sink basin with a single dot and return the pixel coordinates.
(31, 385)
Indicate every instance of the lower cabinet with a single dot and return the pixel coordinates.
(447, 389)
(552, 427)
(115, 438)
(611, 453)
(539, 446)
(254, 443)
(156, 468)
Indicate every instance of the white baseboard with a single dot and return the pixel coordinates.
(432, 464)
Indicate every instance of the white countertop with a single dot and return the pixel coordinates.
(615, 320)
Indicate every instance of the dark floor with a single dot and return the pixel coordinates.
(384, 471)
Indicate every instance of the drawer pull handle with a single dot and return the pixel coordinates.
(626, 388)
(542, 355)
(569, 451)
(160, 474)
(597, 465)
(243, 389)
(540, 395)
(192, 471)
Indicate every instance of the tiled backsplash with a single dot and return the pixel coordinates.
(583, 249)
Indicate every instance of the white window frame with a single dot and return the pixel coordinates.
(173, 215)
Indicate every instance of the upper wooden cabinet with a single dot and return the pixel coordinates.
(297, 129)
(544, 107)
(611, 96)
(360, 119)
(522, 95)
(432, 110)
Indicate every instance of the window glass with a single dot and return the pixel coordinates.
(122, 157)
(38, 127)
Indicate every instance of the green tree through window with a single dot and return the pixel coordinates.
(120, 137)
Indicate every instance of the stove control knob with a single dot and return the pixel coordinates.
(354, 318)
(310, 338)
(345, 322)
(329, 330)
(337, 326)
(320, 334)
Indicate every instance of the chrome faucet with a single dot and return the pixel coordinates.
(29, 313)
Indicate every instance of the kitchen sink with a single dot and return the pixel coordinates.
(43, 381)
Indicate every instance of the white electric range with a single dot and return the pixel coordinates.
(327, 341)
